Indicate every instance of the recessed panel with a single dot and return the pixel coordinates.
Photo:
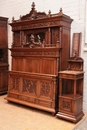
(32, 65)
(48, 66)
(17, 64)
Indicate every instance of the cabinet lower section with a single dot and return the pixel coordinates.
(70, 107)
(3, 79)
(34, 90)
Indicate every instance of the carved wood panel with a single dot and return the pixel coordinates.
(76, 44)
(14, 83)
(55, 35)
(65, 105)
(32, 88)
(29, 86)
(16, 41)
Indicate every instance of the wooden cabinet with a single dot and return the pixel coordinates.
(71, 91)
(40, 48)
(3, 55)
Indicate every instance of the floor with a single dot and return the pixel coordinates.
(82, 125)
(18, 117)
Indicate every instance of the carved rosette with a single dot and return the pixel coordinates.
(29, 86)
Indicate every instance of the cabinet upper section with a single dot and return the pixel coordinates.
(38, 29)
(35, 20)
(3, 32)
(41, 35)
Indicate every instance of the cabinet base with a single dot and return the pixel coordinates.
(3, 92)
(52, 110)
(73, 118)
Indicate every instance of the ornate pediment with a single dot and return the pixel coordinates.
(33, 14)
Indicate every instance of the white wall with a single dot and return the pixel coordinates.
(74, 8)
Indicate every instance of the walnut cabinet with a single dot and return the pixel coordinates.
(3, 55)
(40, 48)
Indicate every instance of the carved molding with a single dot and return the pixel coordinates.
(41, 53)
(33, 25)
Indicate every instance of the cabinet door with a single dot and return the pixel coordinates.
(3, 32)
(3, 80)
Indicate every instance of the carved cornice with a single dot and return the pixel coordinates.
(52, 52)
(36, 25)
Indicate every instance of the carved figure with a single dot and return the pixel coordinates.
(32, 38)
(39, 39)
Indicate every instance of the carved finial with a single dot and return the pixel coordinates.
(33, 5)
(60, 9)
(12, 19)
(60, 13)
(49, 13)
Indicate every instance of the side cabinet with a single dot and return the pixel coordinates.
(3, 55)
(70, 101)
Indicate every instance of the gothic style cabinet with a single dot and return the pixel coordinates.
(39, 50)
(3, 55)
(70, 100)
